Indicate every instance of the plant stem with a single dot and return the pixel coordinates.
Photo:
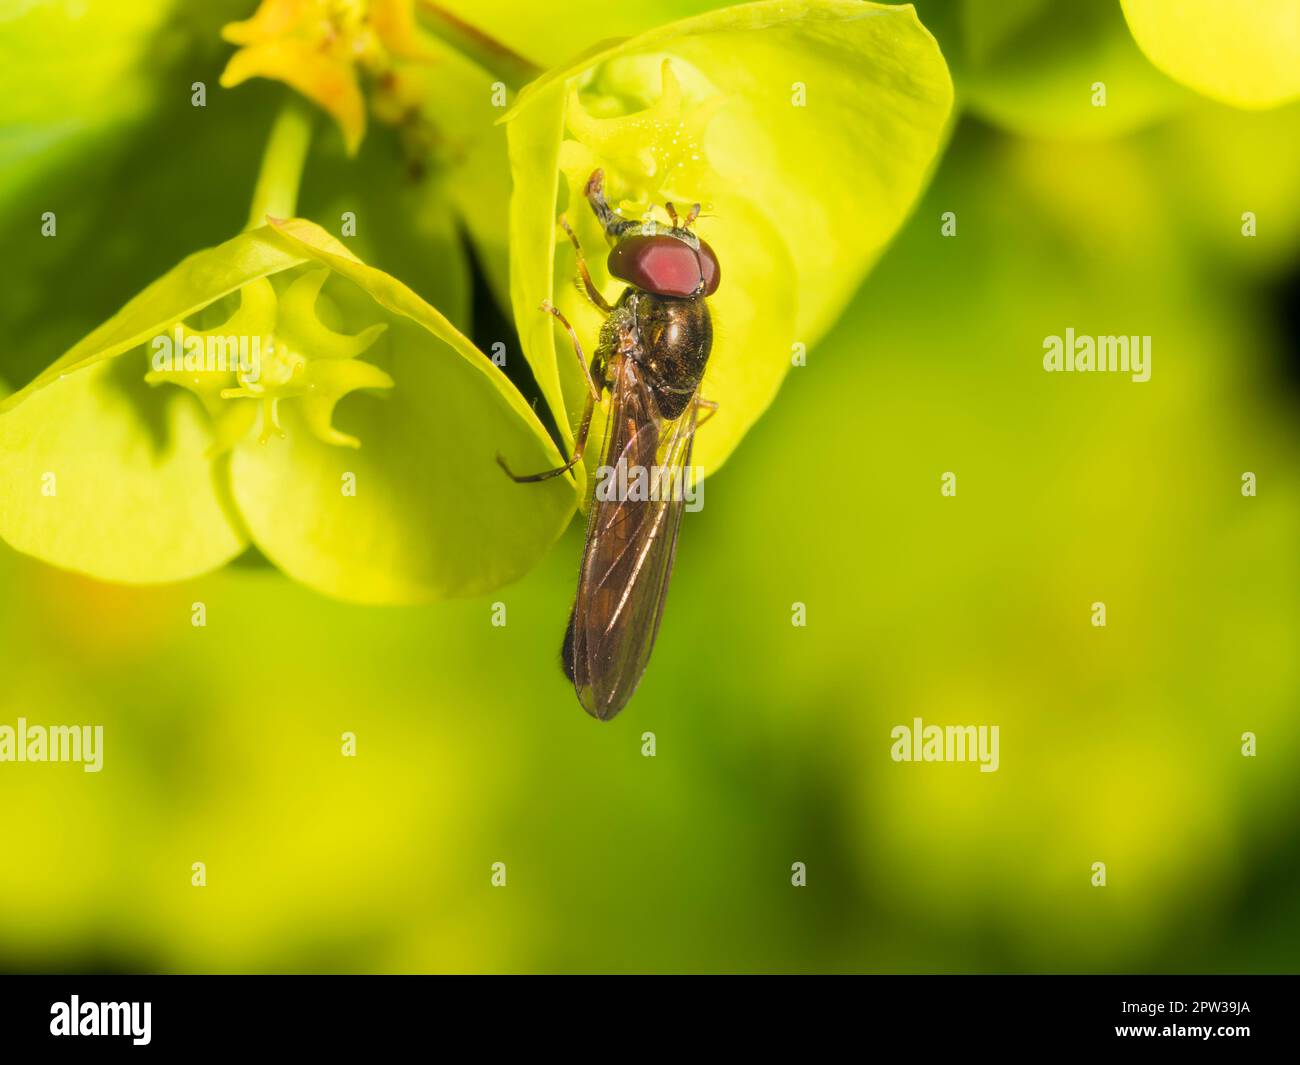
(276, 193)
(512, 69)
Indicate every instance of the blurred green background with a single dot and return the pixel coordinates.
(1120, 745)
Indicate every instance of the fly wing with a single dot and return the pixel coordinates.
(631, 541)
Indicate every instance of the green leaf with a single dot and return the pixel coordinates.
(433, 515)
(101, 474)
(1031, 66)
(71, 73)
(800, 192)
(1247, 55)
(66, 74)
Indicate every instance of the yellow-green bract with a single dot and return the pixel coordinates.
(1247, 55)
(815, 124)
(102, 474)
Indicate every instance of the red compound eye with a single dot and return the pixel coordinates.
(665, 265)
(709, 269)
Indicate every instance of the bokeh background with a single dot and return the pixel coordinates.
(1120, 744)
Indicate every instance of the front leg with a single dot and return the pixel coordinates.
(590, 372)
(593, 293)
(707, 404)
(613, 343)
(579, 446)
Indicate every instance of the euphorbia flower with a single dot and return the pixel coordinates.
(360, 458)
(805, 130)
(434, 90)
(393, 497)
(295, 357)
(317, 47)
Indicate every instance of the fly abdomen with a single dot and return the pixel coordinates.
(566, 652)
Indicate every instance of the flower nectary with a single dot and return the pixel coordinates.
(654, 153)
(273, 348)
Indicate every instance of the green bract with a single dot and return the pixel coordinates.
(392, 496)
(1242, 54)
(806, 131)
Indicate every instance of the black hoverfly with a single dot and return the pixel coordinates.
(653, 348)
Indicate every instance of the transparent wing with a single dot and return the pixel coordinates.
(631, 541)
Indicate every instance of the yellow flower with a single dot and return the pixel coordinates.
(317, 46)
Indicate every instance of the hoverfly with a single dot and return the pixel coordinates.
(653, 348)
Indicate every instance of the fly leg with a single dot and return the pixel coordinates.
(592, 387)
(593, 293)
(584, 428)
(579, 445)
(595, 191)
(709, 405)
